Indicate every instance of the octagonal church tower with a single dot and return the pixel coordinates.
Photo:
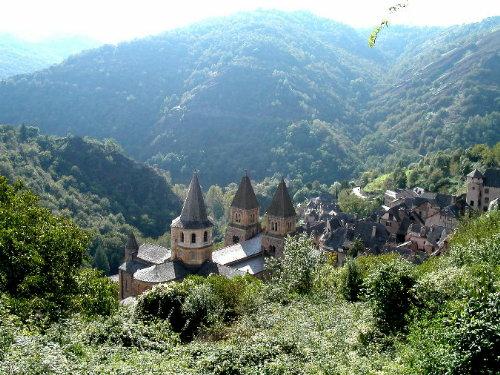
(191, 232)
(243, 214)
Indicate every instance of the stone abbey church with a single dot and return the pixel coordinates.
(246, 243)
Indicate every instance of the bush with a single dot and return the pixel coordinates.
(475, 337)
(389, 291)
(477, 240)
(350, 281)
(295, 270)
(97, 294)
(197, 302)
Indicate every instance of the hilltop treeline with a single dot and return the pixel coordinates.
(273, 92)
(93, 183)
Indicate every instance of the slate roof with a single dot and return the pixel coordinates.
(194, 211)
(176, 270)
(281, 205)
(209, 268)
(159, 273)
(252, 266)
(435, 234)
(335, 240)
(443, 200)
(239, 251)
(475, 174)
(245, 196)
(131, 266)
(492, 178)
(154, 254)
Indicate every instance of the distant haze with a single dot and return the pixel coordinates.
(116, 20)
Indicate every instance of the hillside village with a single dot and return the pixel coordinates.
(412, 222)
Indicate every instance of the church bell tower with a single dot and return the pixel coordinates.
(243, 214)
(191, 232)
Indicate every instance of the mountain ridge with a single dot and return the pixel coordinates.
(268, 91)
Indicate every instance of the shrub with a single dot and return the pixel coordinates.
(198, 302)
(389, 291)
(97, 294)
(475, 337)
(350, 281)
(295, 270)
(477, 240)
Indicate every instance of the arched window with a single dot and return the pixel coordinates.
(205, 236)
(193, 237)
(182, 236)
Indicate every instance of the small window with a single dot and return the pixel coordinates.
(205, 236)
(473, 188)
(486, 190)
(472, 203)
(193, 237)
(182, 236)
(485, 209)
(486, 199)
(236, 239)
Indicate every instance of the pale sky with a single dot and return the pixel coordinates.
(116, 20)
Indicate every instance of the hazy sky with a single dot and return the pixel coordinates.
(114, 20)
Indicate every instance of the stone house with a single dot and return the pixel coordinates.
(482, 188)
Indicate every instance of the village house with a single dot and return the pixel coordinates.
(483, 188)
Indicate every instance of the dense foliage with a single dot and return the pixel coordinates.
(94, 184)
(40, 260)
(273, 92)
(441, 316)
(441, 171)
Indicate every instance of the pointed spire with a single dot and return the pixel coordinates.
(194, 212)
(132, 242)
(281, 205)
(245, 196)
(475, 174)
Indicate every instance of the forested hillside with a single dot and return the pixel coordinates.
(91, 182)
(18, 56)
(273, 92)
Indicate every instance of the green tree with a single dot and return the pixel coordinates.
(40, 253)
(351, 281)
(388, 289)
(294, 271)
(350, 203)
(101, 261)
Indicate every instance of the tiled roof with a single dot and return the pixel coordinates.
(492, 177)
(151, 253)
(194, 212)
(245, 196)
(238, 252)
(281, 205)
